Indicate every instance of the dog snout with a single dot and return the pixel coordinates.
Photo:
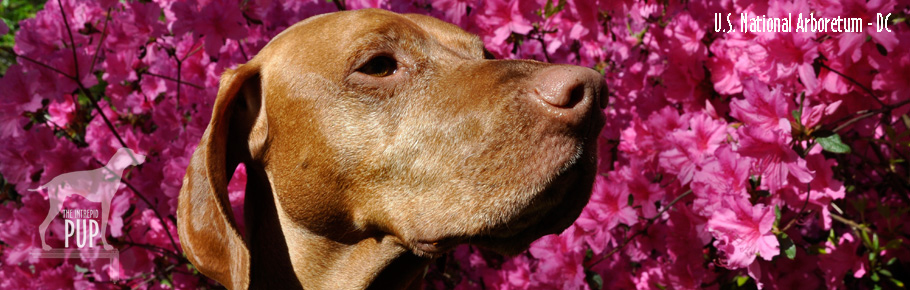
(569, 91)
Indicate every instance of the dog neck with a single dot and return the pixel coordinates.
(285, 256)
(368, 264)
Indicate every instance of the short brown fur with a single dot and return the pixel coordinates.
(357, 181)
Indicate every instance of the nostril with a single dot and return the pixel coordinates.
(575, 96)
(565, 93)
(568, 87)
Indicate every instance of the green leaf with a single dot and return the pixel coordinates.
(875, 277)
(866, 240)
(550, 10)
(891, 262)
(741, 280)
(885, 272)
(832, 143)
(594, 280)
(875, 241)
(897, 282)
(776, 215)
(631, 200)
(788, 246)
(894, 244)
(796, 116)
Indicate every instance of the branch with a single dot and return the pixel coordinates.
(107, 121)
(180, 68)
(648, 224)
(101, 41)
(866, 89)
(179, 82)
(148, 203)
(801, 210)
(850, 223)
(72, 41)
(859, 115)
(44, 65)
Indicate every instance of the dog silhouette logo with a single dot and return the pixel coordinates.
(97, 185)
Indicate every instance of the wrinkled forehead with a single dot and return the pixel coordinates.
(330, 41)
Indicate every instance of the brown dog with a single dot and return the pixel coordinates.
(375, 142)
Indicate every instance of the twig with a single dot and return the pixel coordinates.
(101, 41)
(147, 202)
(648, 224)
(801, 210)
(107, 121)
(78, 80)
(14, 54)
(72, 40)
(860, 115)
(850, 223)
(110, 125)
(243, 51)
(543, 45)
(180, 68)
(868, 91)
(173, 80)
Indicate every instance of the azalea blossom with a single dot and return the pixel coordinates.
(743, 231)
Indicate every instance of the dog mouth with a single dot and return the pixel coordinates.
(555, 203)
(562, 203)
(555, 208)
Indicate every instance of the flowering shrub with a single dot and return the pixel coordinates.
(776, 160)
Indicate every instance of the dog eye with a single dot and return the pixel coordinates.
(380, 66)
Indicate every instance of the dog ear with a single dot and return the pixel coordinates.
(208, 232)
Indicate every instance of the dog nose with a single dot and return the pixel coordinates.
(570, 90)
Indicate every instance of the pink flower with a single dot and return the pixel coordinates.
(839, 259)
(894, 71)
(515, 273)
(216, 20)
(823, 189)
(236, 194)
(793, 52)
(498, 19)
(608, 207)
(455, 11)
(644, 139)
(689, 148)
(723, 177)
(849, 43)
(688, 33)
(61, 112)
(773, 157)
(764, 108)
(686, 237)
(20, 87)
(560, 263)
(742, 231)
(812, 116)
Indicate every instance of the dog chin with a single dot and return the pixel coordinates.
(569, 193)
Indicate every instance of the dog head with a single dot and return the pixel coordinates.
(372, 124)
